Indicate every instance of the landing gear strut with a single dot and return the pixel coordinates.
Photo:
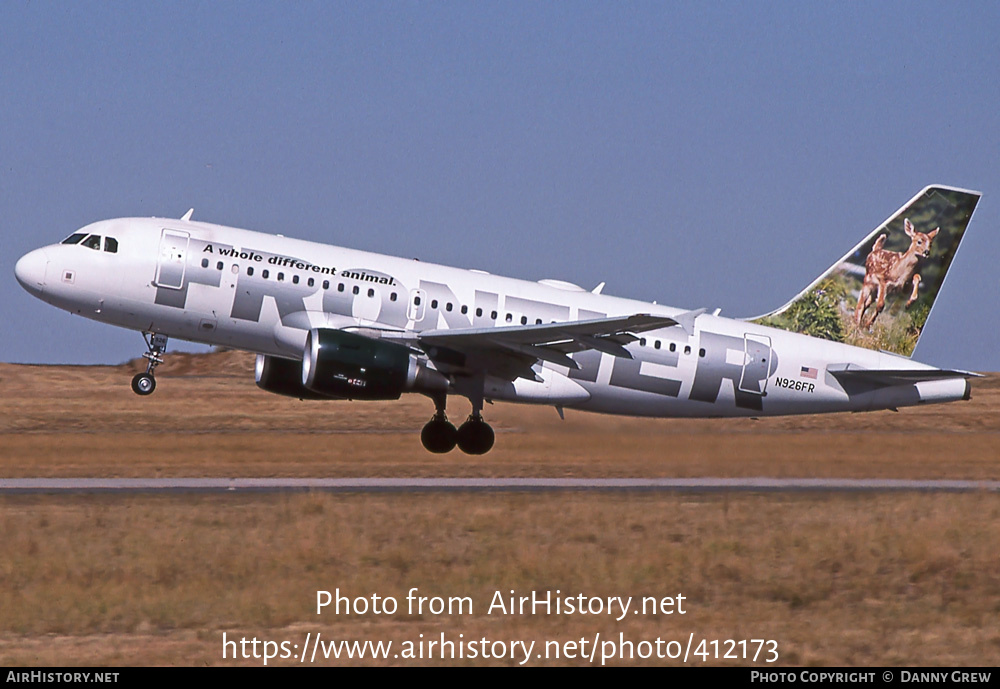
(145, 383)
(474, 437)
(439, 435)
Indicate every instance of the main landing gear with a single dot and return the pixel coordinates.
(439, 435)
(145, 383)
(474, 437)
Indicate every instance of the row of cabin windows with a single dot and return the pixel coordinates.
(310, 282)
(657, 344)
(93, 241)
(463, 309)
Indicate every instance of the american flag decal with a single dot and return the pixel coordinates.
(807, 372)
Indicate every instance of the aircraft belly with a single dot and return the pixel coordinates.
(554, 388)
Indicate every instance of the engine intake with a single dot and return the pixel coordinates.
(337, 363)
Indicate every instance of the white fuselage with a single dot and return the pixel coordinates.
(264, 293)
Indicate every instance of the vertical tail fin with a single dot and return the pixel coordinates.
(881, 292)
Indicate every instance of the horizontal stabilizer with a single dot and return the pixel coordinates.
(889, 377)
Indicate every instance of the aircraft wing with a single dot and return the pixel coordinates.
(510, 351)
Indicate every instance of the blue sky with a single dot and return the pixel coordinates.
(698, 154)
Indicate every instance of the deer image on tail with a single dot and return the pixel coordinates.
(889, 271)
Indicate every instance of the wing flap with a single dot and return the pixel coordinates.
(543, 353)
(547, 333)
(551, 342)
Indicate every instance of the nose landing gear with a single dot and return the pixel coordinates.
(144, 383)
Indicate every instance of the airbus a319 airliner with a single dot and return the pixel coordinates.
(330, 323)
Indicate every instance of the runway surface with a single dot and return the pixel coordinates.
(414, 485)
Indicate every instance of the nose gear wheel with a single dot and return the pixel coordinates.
(145, 383)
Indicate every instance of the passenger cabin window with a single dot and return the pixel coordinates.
(74, 238)
(111, 245)
(93, 242)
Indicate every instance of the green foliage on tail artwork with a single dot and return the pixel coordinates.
(880, 294)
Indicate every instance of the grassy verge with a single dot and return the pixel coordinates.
(208, 419)
(842, 580)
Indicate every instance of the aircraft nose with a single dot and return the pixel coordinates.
(30, 271)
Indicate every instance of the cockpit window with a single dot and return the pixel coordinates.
(93, 242)
(74, 238)
(111, 245)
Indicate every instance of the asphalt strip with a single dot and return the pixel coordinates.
(13, 486)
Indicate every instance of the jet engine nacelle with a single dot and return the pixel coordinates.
(337, 363)
(283, 377)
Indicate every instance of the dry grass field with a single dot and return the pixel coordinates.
(895, 579)
(207, 418)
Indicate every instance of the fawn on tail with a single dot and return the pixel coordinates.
(888, 271)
